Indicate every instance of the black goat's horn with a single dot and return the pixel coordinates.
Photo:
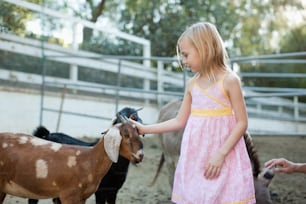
(123, 118)
(139, 109)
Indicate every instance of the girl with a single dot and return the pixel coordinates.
(214, 167)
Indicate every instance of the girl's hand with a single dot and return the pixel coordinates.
(214, 166)
(139, 126)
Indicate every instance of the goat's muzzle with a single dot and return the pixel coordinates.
(266, 176)
(137, 158)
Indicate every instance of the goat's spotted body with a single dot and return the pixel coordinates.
(48, 163)
(31, 167)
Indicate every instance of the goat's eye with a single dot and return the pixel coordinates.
(126, 133)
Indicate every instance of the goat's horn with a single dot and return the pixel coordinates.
(122, 118)
(125, 119)
(139, 109)
(103, 133)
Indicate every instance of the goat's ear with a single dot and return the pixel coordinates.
(112, 140)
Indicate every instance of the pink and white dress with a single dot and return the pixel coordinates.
(209, 124)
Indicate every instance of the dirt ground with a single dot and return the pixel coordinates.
(285, 189)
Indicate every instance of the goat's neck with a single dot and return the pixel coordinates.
(101, 159)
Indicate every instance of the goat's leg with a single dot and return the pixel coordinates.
(111, 197)
(56, 201)
(32, 201)
(171, 170)
(2, 197)
(100, 196)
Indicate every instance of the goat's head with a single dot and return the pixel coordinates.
(266, 176)
(123, 139)
(129, 113)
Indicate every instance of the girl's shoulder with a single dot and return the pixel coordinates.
(191, 81)
(231, 82)
(231, 77)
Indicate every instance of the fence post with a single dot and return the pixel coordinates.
(258, 108)
(73, 67)
(296, 107)
(146, 63)
(160, 82)
(118, 86)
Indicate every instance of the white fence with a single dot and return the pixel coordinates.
(77, 58)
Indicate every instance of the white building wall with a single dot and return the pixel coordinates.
(20, 112)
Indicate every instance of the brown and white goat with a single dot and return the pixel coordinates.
(31, 167)
(171, 143)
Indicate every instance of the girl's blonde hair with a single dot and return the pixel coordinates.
(209, 44)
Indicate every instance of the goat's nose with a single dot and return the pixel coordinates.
(266, 176)
(139, 155)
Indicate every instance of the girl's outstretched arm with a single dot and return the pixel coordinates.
(173, 124)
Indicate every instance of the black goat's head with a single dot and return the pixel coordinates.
(128, 113)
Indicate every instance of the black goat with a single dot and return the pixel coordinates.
(115, 177)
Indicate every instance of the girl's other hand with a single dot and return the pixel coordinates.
(213, 169)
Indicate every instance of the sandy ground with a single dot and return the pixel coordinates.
(286, 189)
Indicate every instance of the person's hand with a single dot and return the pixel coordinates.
(213, 168)
(139, 126)
(281, 165)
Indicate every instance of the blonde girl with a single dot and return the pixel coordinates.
(214, 167)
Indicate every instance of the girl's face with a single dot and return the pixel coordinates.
(190, 55)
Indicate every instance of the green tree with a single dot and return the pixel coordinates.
(95, 11)
(294, 40)
(245, 25)
(14, 17)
